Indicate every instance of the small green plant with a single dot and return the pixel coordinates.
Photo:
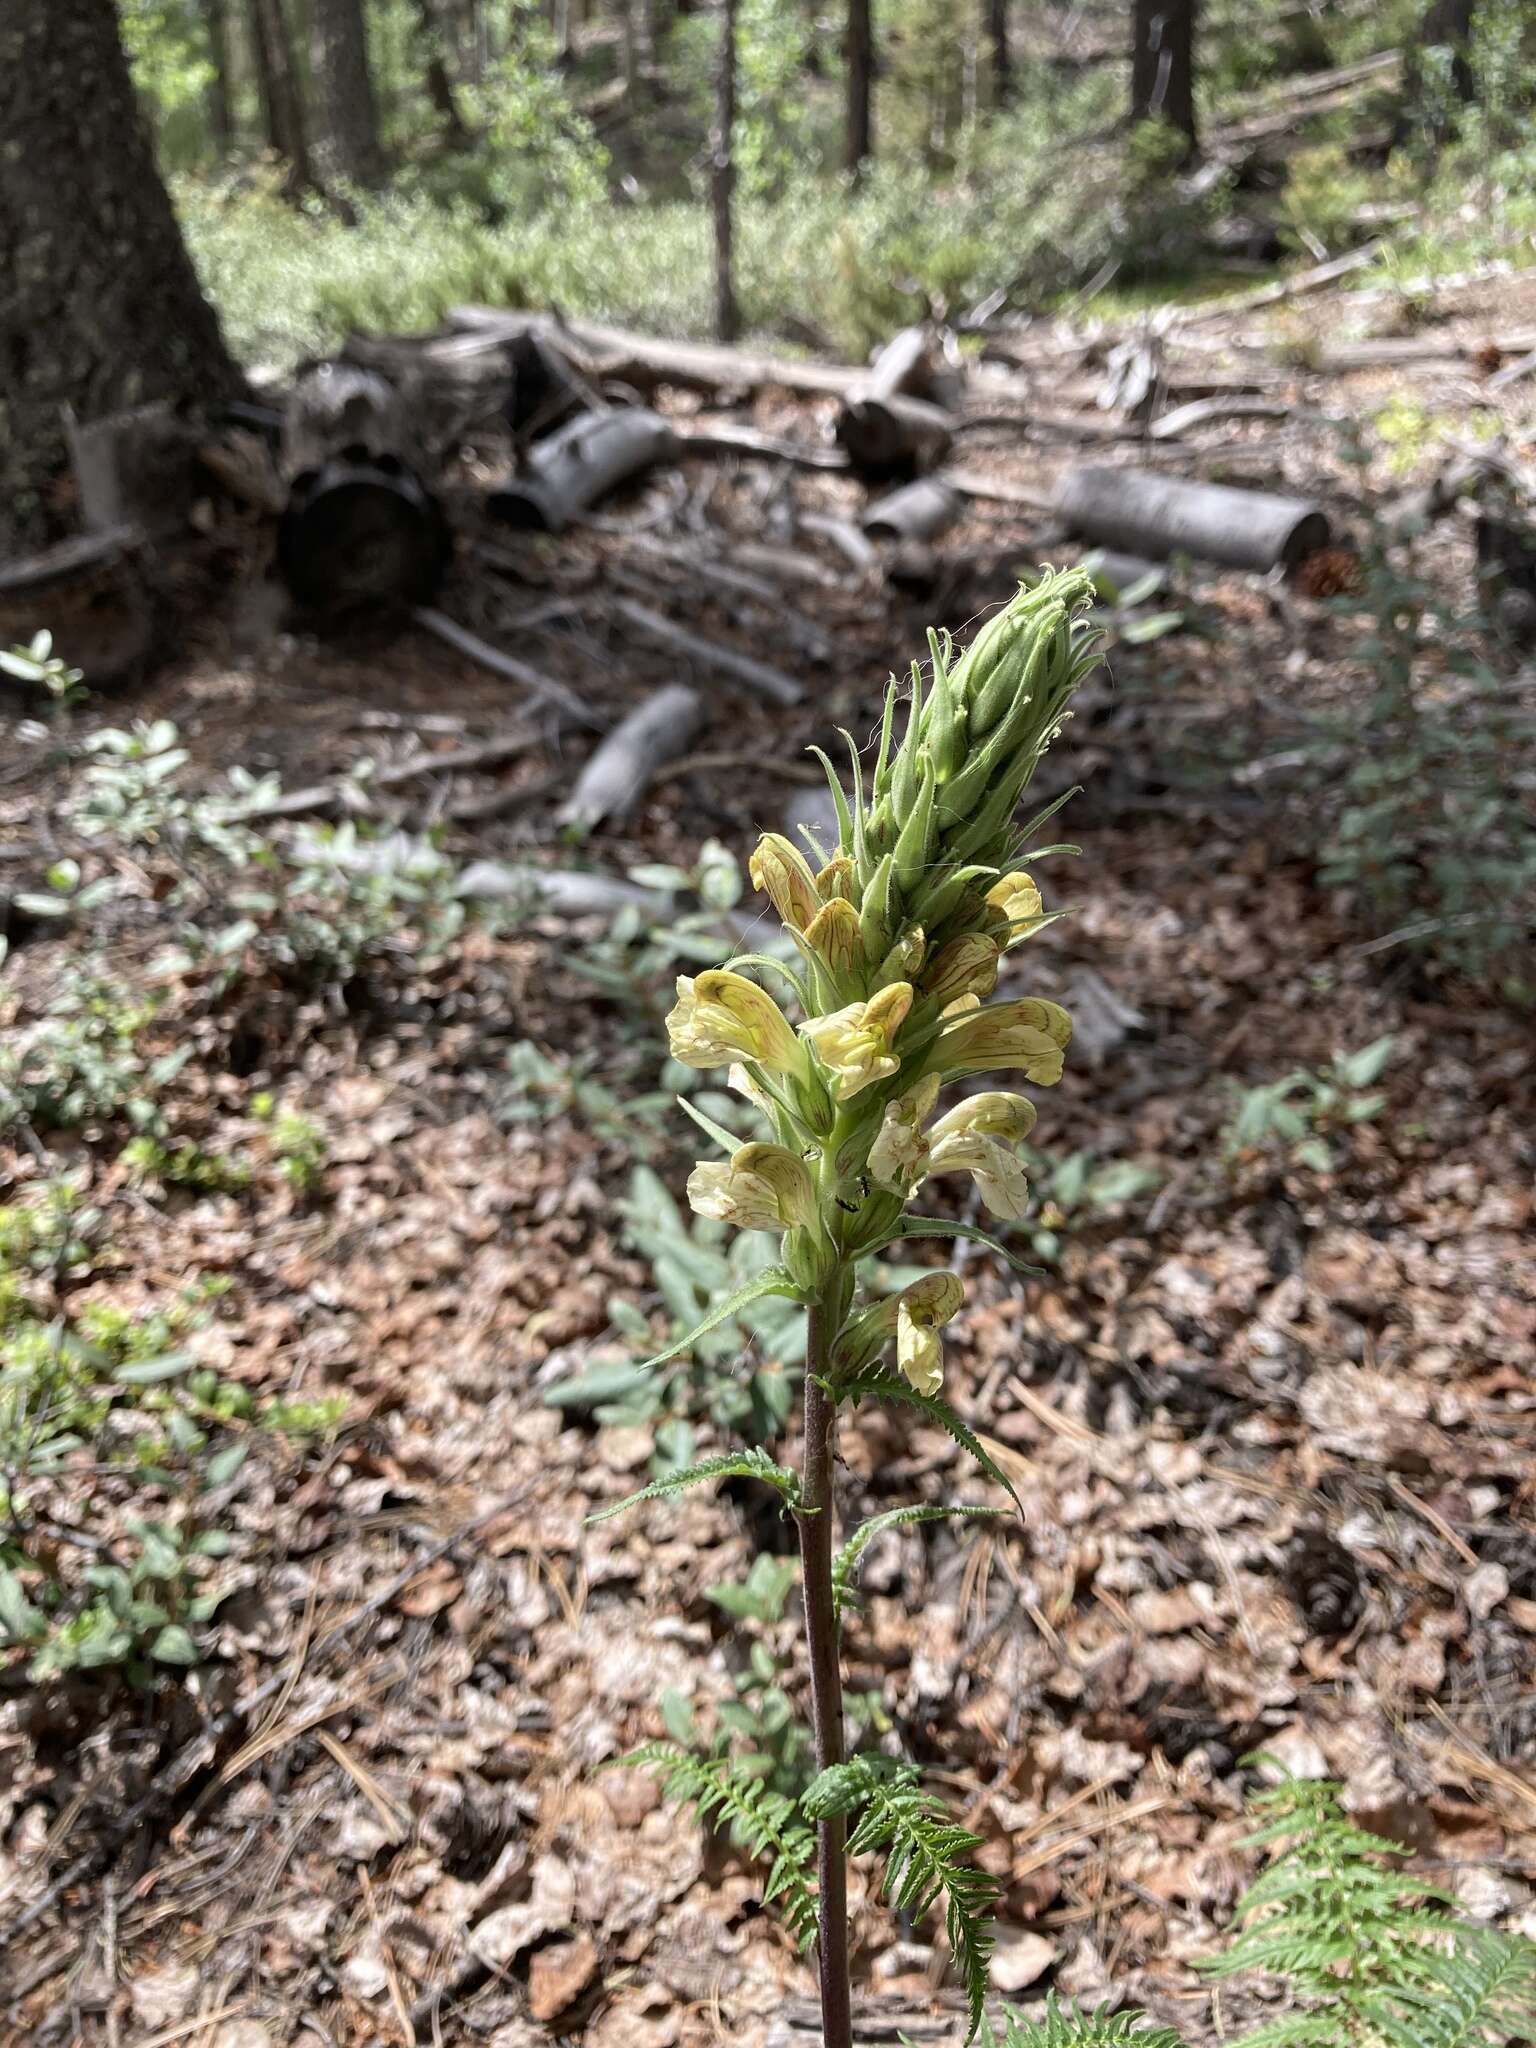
(1302, 1111)
(185, 1165)
(296, 1143)
(37, 663)
(635, 960)
(899, 931)
(541, 1088)
(1073, 1190)
(86, 1060)
(1064, 2026)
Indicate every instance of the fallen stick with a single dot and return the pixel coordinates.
(1285, 288)
(850, 543)
(1154, 516)
(802, 632)
(783, 562)
(558, 892)
(748, 441)
(508, 665)
(321, 796)
(618, 772)
(1218, 407)
(768, 682)
(643, 358)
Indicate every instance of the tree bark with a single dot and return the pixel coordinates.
(859, 57)
(445, 102)
(1163, 66)
(101, 309)
(221, 105)
(723, 176)
(351, 120)
(282, 103)
(1002, 55)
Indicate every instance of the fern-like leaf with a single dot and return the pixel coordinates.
(1067, 2026)
(1477, 1992)
(885, 1385)
(765, 1822)
(846, 1563)
(926, 1854)
(746, 1464)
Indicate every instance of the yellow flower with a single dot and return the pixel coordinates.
(922, 1310)
(996, 1113)
(996, 1168)
(899, 1156)
(854, 1043)
(720, 1016)
(761, 1187)
(743, 1083)
(833, 934)
(835, 880)
(967, 966)
(784, 875)
(1017, 897)
(1025, 1033)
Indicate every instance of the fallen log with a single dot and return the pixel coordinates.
(850, 543)
(769, 682)
(623, 765)
(649, 362)
(556, 892)
(360, 526)
(1152, 516)
(914, 513)
(888, 423)
(572, 469)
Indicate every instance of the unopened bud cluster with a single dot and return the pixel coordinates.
(901, 931)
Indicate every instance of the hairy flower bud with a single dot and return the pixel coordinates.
(782, 872)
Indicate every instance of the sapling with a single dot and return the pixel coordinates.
(899, 932)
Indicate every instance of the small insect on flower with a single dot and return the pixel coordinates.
(721, 1017)
(855, 1044)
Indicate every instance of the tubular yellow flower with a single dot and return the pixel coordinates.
(996, 1168)
(1017, 897)
(761, 1187)
(720, 1016)
(996, 1114)
(854, 1044)
(967, 966)
(784, 875)
(833, 934)
(836, 880)
(1025, 1033)
(922, 1310)
(742, 1082)
(899, 1156)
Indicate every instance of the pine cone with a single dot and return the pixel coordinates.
(1324, 1581)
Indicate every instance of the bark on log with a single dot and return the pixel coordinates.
(573, 468)
(616, 776)
(889, 423)
(1158, 516)
(915, 512)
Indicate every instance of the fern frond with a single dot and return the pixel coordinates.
(765, 1822)
(1068, 2026)
(1476, 1993)
(846, 1562)
(747, 1464)
(925, 1856)
(885, 1385)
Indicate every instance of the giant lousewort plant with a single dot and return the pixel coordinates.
(901, 931)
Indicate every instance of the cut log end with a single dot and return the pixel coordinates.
(360, 534)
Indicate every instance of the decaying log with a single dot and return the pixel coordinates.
(888, 423)
(572, 469)
(914, 513)
(88, 593)
(557, 892)
(1157, 516)
(620, 769)
(360, 526)
(769, 682)
(508, 665)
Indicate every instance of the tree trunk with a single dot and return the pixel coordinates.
(723, 175)
(221, 105)
(445, 103)
(859, 56)
(1163, 66)
(1447, 24)
(101, 308)
(1002, 55)
(282, 104)
(351, 122)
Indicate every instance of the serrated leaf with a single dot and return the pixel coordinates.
(776, 1280)
(745, 1464)
(885, 1385)
(943, 1226)
(846, 1562)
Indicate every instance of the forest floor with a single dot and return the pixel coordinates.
(1273, 1426)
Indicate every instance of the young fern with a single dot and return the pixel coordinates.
(1369, 1950)
(746, 1464)
(926, 1855)
(1065, 2026)
(765, 1822)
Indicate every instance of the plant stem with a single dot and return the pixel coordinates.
(816, 1533)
